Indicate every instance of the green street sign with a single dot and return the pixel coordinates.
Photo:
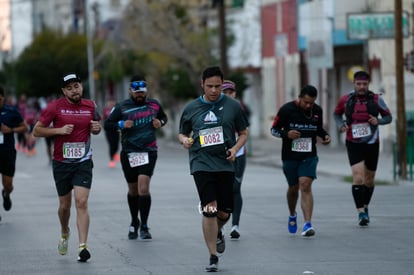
(363, 26)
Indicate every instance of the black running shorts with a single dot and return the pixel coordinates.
(215, 186)
(8, 163)
(131, 173)
(368, 153)
(67, 175)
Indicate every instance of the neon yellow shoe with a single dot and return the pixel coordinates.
(63, 244)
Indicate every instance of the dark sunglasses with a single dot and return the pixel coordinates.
(138, 84)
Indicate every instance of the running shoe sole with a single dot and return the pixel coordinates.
(363, 222)
(292, 224)
(7, 204)
(84, 255)
(309, 232)
(363, 219)
(133, 231)
(63, 246)
(145, 235)
(213, 266)
(234, 235)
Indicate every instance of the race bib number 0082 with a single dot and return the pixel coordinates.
(74, 150)
(211, 136)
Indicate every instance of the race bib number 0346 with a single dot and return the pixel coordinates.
(211, 136)
(73, 150)
(302, 145)
(138, 159)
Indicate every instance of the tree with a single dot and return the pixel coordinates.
(39, 68)
(172, 38)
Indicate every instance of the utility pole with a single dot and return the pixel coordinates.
(223, 38)
(399, 63)
(89, 49)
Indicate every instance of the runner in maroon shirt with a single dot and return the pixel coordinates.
(74, 119)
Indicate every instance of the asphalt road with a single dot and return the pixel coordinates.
(30, 231)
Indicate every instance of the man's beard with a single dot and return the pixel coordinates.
(75, 100)
(140, 100)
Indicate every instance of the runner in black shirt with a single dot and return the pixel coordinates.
(11, 121)
(298, 123)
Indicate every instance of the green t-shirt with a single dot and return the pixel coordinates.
(212, 125)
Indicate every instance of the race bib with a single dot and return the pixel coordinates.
(1, 138)
(361, 130)
(211, 136)
(138, 159)
(73, 150)
(302, 145)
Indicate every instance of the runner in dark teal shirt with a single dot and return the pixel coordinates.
(207, 128)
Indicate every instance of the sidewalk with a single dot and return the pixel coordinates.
(332, 161)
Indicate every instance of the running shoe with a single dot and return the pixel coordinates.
(7, 204)
(133, 230)
(366, 212)
(221, 243)
(235, 233)
(63, 244)
(363, 219)
(213, 266)
(292, 224)
(111, 164)
(144, 233)
(117, 157)
(308, 230)
(84, 254)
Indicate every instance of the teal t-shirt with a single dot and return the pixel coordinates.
(212, 125)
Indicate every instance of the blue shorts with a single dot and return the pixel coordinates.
(294, 169)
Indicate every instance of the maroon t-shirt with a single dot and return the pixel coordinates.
(75, 147)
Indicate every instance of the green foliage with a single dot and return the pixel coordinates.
(164, 30)
(177, 84)
(240, 80)
(39, 68)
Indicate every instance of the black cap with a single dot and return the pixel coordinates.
(69, 78)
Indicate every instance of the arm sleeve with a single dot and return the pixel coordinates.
(385, 112)
(162, 116)
(339, 112)
(278, 128)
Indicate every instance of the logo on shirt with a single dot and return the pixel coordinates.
(210, 118)
(75, 112)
